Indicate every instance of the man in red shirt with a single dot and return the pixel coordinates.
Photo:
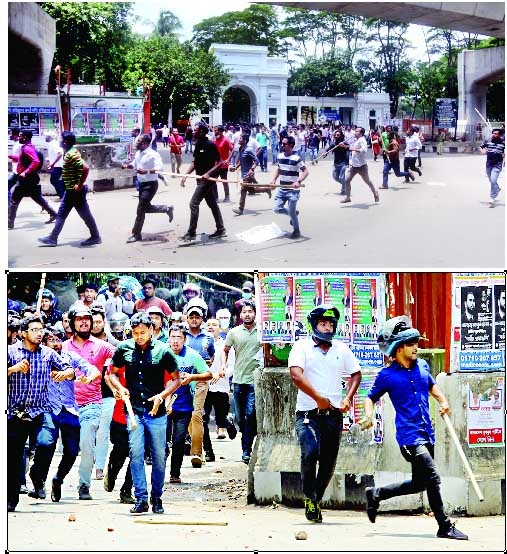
(28, 180)
(175, 144)
(149, 287)
(225, 147)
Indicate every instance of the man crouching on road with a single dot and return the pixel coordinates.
(317, 367)
(151, 375)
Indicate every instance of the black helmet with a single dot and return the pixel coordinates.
(78, 309)
(396, 332)
(323, 311)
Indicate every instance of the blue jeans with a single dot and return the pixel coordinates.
(56, 180)
(155, 429)
(319, 440)
(89, 418)
(395, 166)
(292, 197)
(263, 158)
(313, 152)
(339, 173)
(65, 424)
(424, 477)
(178, 422)
(106, 416)
(244, 413)
(74, 199)
(274, 152)
(493, 172)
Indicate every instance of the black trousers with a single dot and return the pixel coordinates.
(28, 187)
(146, 193)
(219, 401)
(119, 437)
(205, 190)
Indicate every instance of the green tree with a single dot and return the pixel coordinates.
(255, 26)
(181, 76)
(167, 24)
(92, 39)
(329, 75)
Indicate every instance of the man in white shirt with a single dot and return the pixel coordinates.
(358, 165)
(147, 163)
(412, 147)
(55, 163)
(317, 366)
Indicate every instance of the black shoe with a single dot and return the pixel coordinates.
(84, 493)
(231, 429)
(187, 237)
(140, 507)
(38, 491)
(52, 219)
(411, 175)
(156, 507)
(209, 456)
(451, 533)
(419, 171)
(295, 235)
(92, 241)
(109, 482)
(47, 241)
(372, 504)
(56, 490)
(10, 506)
(218, 234)
(245, 458)
(126, 497)
(170, 213)
(313, 512)
(237, 211)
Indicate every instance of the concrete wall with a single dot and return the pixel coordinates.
(274, 470)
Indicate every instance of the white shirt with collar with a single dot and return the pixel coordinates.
(324, 370)
(147, 159)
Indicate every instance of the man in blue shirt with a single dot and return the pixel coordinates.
(409, 383)
(30, 367)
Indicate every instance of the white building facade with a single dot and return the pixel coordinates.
(257, 93)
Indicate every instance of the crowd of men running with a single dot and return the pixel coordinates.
(75, 375)
(217, 153)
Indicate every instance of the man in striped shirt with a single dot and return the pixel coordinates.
(495, 155)
(30, 366)
(75, 172)
(292, 172)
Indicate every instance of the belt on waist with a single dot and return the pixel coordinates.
(328, 411)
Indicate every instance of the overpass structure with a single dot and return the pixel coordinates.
(476, 68)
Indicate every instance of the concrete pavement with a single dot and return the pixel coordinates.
(208, 512)
(441, 221)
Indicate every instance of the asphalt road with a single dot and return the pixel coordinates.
(442, 221)
(208, 512)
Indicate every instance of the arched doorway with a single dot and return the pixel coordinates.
(236, 106)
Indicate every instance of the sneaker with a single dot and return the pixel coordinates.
(140, 507)
(245, 458)
(345, 201)
(109, 481)
(220, 433)
(174, 480)
(92, 241)
(157, 507)
(231, 429)
(372, 504)
(52, 219)
(84, 493)
(133, 238)
(313, 512)
(56, 490)
(126, 497)
(38, 492)
(187, 237)
(99, 474)
(295, 235)
(237, 211)
(451, 533)
(48, 241)
(218, 234)
(170, 213)
(196, 460)
(210, 456)
(23, 489)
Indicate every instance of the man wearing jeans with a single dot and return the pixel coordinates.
(317, 366)
(88, 395)
(246, 347)
(151, 375)
(495, 154)
(408, 382)
(292, 172)
(358, 165)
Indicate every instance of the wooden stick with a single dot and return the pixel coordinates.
(130, 411)
(324, 153)
(245, 184)
(457, 444)
(39, 300)
(242, 183)
(162, 522)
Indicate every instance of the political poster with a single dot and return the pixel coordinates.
(485, 414)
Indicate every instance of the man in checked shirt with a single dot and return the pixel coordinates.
(30, 366)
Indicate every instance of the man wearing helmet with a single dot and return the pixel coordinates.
(158, 319)
(88, 395)
(408, 382)
(190, 291)
(48, 307)
(118, 326)
(317, 366)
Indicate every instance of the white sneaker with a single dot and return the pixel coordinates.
(196, 460)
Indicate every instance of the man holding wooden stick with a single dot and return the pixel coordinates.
(409, 383)
(151, 375)
(206, 161)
